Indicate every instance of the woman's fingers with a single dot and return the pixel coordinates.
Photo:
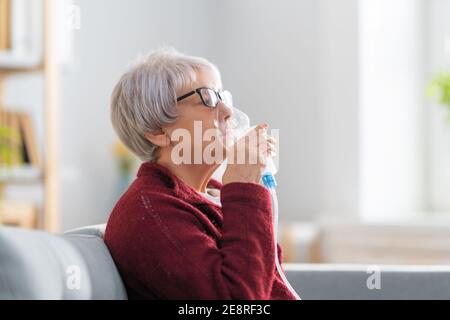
(262, 126)
(270, 150)
(255, 149)
(264, 145)
(271, 139)
(267, 143)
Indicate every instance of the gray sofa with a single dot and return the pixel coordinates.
(77, 265)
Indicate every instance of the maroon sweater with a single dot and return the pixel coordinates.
(169, 242)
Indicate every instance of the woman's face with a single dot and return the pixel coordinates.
(200, 121)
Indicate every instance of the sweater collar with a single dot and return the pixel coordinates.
(164, 177)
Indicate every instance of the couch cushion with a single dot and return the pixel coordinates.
(39, 265)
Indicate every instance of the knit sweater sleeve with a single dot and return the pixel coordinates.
(174, 258)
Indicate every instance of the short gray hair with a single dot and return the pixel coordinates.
(144, 99)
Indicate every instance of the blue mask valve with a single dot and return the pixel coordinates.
(269, 180)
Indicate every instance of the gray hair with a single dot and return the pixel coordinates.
(144, 99)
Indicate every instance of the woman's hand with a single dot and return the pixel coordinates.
(247, 157)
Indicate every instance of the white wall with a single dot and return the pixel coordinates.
(438, 58)
(391, 109)
(338, 93)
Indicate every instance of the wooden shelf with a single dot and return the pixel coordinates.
(21, 175)
(8, 70)
(4, 71)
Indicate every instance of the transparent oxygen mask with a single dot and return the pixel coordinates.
(236, 127)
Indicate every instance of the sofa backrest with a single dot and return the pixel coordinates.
(39, 265)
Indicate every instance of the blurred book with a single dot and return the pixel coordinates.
(18, 145)
(29, 143)
(5, 25)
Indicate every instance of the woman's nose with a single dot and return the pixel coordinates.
(225, 111)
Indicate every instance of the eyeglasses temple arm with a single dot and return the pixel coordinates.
(184, 96)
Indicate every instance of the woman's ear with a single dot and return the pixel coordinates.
(158, 138)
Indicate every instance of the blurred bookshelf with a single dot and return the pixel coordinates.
(21, 162)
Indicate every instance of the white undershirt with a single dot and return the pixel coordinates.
(211, 197)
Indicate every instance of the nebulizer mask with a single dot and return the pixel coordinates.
(234, 128)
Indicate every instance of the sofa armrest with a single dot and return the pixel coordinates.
(332, 281)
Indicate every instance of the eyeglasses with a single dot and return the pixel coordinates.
(210, 97)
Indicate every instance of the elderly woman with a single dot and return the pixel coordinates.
(176, 233)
